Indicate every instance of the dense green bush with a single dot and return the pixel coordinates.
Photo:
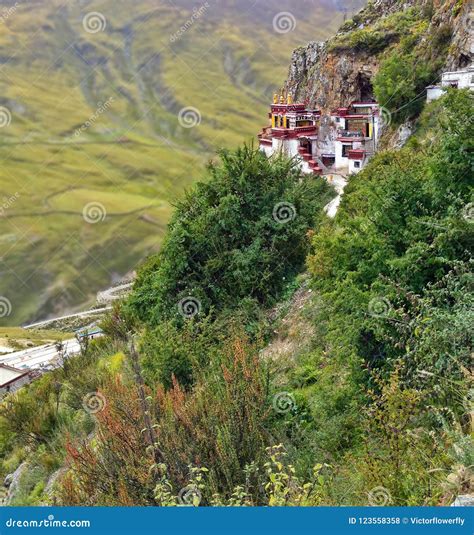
(228, 240)
(407, 69)
(37, 420)
(395, 264)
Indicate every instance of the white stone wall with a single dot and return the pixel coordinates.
(13, 387)
(266, 149)
(433, 93)
(353, 168)
(341, 162)
(464, 78)
(326, 140)
(339, 122)
(291, 147)
(276, 145)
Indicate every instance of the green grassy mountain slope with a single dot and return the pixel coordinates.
(90, 100)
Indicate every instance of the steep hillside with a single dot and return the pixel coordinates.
(108, 111)
(422, 37)
(272, 355)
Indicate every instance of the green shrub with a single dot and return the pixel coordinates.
(225, 243)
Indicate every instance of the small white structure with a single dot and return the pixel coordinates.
(463, 79)
(357, 160)
(434, 92)
(358, 130)
(12, 379)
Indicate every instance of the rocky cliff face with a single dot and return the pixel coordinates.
(462, 46)
(332, 73)
(327, 80)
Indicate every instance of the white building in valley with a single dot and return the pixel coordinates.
(11, 379)
(342, 142)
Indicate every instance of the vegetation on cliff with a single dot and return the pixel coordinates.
(373, 405)
(269, 355)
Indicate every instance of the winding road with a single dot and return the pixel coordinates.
(93, 312)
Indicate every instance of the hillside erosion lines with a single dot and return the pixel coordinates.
(72, 212)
